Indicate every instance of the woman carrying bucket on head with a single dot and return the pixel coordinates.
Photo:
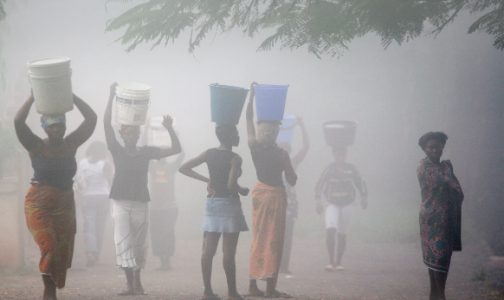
(223, 213)
(268, 196)
(337, 185)
(284, 141)
(129, 191)
(49, 203)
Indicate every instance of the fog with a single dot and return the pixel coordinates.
(451, 83)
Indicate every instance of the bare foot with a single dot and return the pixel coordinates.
(255, 292)
(211, 296)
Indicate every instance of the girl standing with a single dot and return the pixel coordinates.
(223, 214)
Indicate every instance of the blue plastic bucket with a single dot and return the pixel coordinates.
(270, 101)
(287, 129)
(226, 103)
(339, 133)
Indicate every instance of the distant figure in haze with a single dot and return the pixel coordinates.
(94, 175)
(440, 211)
(130, 193)
(223, 214)
(49, 203)
(337, 185)
(164, 211)
(269, 203)
(292, 203)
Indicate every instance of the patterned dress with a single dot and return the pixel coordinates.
(268, 219)
(439, 213)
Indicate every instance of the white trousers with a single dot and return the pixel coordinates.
(130, 232)
(338, 217)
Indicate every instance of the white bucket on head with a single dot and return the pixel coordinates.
(50, 80)
(132, 103)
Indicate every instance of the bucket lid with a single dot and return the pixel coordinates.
(340, 124)
(50, 61)
(134, 87)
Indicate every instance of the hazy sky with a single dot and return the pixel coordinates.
(394, 94)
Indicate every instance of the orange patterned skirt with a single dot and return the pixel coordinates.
(50, 216)
(268, 220)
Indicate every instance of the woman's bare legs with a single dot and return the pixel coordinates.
(229, 243)
(210, 242)
(49, 288)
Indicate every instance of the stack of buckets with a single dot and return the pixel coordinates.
(226, 103)
(339, 134)
(50, 79)
(132, 103)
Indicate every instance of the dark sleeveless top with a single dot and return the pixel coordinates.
(219, 165)
(268, 161)
(131, 172)
(54, 171)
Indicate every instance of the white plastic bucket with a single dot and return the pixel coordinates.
(132, 103)
(50, 79)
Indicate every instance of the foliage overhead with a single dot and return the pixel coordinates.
(323, 27)
(2, 9)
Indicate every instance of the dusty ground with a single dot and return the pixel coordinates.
(374, 271)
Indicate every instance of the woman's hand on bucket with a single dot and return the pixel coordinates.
(252, 90)
(167, 122)
(243, 191)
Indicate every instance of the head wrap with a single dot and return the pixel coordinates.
(47, 120)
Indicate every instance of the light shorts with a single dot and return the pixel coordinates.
(338, 217)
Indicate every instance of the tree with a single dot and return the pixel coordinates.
(323, 27)
(2, 10)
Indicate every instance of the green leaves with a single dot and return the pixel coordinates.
(491, 22)
(2, 9)
(322, 27)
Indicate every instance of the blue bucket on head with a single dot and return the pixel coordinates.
(226, 103)
(270, 101)
(286, 131)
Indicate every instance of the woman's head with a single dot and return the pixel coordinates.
(54, 126)
(433, 143)
(267, 132)
(129, 134)
(227, 135)
(96, 150)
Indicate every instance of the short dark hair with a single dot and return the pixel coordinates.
(225, 133)
(432, 135)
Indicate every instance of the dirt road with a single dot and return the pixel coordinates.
(373, 271)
